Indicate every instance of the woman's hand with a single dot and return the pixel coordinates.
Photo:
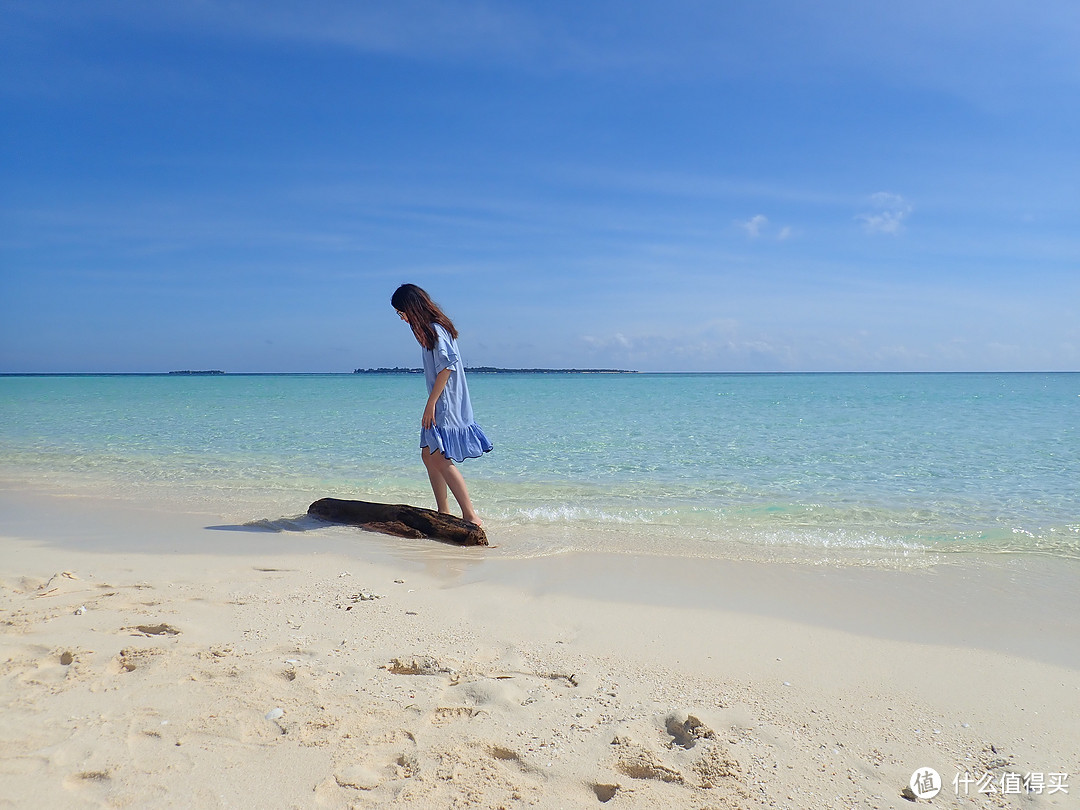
(428, 419)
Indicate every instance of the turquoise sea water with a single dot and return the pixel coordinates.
(839, 467)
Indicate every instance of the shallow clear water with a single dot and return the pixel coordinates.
(848, 467)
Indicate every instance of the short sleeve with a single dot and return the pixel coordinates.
(445, 352)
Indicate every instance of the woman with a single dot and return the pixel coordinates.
(448, 432)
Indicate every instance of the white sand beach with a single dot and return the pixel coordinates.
(147, 661)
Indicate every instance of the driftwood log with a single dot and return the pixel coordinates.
(400, 520)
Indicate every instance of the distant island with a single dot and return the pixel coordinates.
(394, 370)
(494, 370)
(198, 373)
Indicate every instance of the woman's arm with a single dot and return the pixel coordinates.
(428, 419)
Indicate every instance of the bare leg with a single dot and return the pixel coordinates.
(443, 473)
(435, 476)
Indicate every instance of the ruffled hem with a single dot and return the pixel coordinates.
(456, 443)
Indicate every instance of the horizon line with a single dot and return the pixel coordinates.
(510, 371)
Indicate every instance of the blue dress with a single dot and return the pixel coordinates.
(454, 433)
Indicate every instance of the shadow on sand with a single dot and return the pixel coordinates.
(295, 523)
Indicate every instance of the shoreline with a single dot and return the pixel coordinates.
(1019, 604)
(412, 674)
(246, 507)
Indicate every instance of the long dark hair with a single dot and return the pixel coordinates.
(423, 314)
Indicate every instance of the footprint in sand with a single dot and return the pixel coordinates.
(506, 755)
(686, 731)
(497, 693)
(715, 768)
(638, 762)
(448, 714)
(507, 778)
(604, 792)
(129, 660)
(149, 630)
(39, 666)
(407, 765)
(90, 784)
(358, 777)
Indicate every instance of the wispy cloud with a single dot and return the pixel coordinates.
(754, 225)
(921, 43)
(695, 185)
(758, 226)
(423, 29)
(717, 345)
(887, 213)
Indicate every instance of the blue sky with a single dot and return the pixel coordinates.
(677, 186)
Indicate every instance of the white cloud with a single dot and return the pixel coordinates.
(758, 226)
(887, 213)
(754, 225)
